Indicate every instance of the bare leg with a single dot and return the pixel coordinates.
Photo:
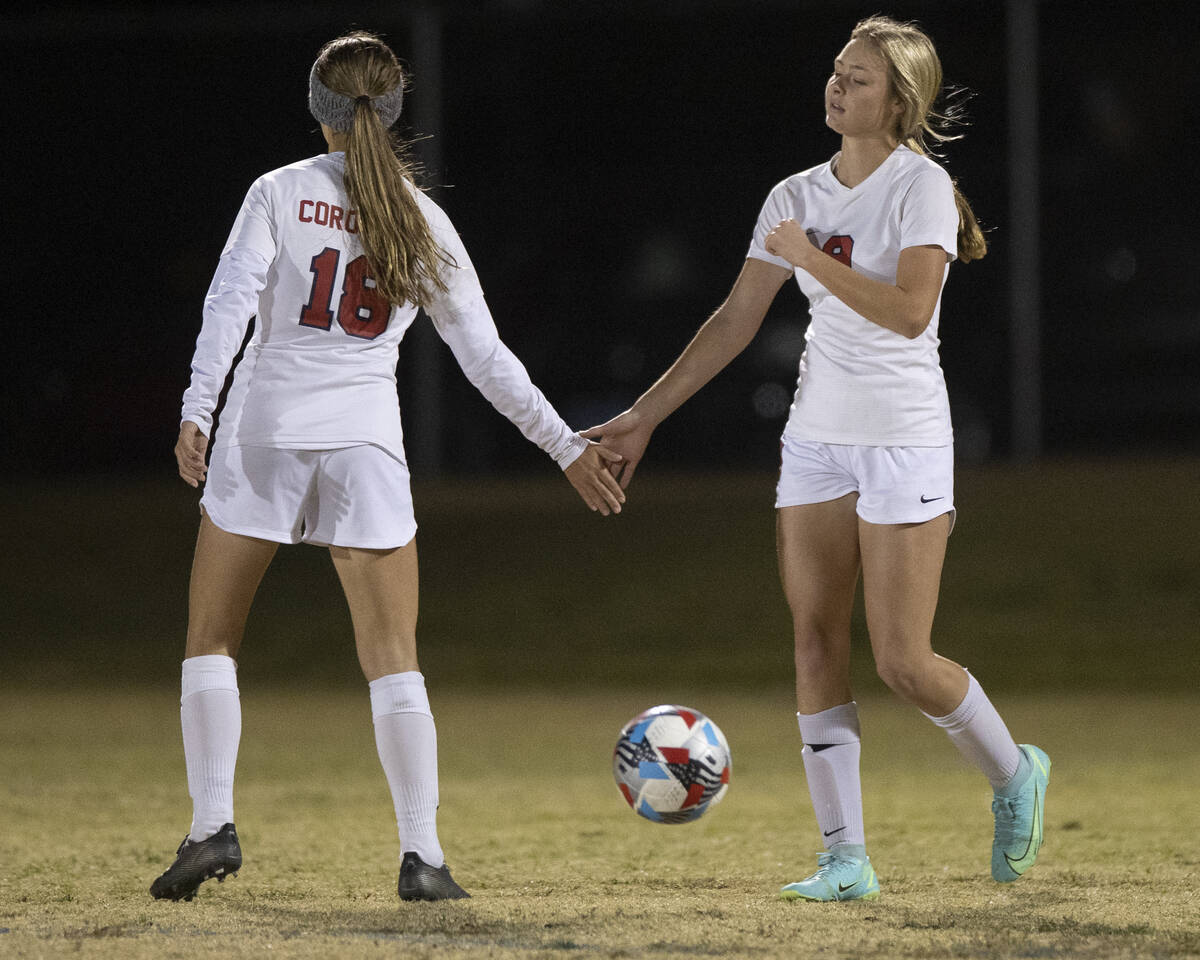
(226, 571)
(381, 589)
(902, 570)
(818, 563)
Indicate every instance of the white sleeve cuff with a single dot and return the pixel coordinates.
(572, 452)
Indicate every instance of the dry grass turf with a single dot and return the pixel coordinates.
(93, 802)
(1072, 589)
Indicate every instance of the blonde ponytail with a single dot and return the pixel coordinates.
(405, 259)
(971, 243)
(915, 75)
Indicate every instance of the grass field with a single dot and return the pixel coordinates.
(1071, 589)
(1087, 570)
(94, 802)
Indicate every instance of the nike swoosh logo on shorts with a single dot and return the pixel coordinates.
(925, 499)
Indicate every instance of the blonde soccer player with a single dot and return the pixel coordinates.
(866, 483)
(334, 255)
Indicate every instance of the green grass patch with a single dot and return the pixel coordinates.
(1078, 575)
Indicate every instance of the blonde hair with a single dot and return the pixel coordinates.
(915, 76)
(405, 259)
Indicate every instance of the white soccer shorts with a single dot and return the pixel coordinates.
(894, 484)
(356, 496)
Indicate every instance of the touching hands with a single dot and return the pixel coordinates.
(189, 452)
(626, 436)
(788, 240)
(591, 476)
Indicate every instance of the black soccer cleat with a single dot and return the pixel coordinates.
(219, 856)
(420, 881)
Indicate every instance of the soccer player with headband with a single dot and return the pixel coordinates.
(333, 255)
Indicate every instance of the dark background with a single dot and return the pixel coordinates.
(604, 163)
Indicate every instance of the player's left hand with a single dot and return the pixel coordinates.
(788, 240)
(189, 453)
(593, 481)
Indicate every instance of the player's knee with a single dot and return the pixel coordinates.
(819, 650)
(814, 635)
(904, 675)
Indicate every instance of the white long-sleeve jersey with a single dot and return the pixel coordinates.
(320, 368)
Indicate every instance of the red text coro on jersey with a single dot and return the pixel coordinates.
(328, 215)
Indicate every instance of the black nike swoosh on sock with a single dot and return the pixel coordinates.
(830, 833)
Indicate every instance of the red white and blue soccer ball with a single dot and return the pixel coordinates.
(671, 764)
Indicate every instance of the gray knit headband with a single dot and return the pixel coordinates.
(336, 110)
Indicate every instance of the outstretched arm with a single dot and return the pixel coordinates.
(722, 337)
(496, 373)
(462, 319)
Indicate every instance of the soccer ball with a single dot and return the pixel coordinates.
(671, 764)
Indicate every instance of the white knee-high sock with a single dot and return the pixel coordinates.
(406, 738)
(981, 736)
(831, 751)
(210, 713)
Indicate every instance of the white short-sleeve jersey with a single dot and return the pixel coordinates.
(861, 383)
(320, 369)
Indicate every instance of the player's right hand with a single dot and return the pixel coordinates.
(627, 434)
(189, 452)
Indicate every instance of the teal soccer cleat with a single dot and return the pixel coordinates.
(839, 876)
(1019, 820)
